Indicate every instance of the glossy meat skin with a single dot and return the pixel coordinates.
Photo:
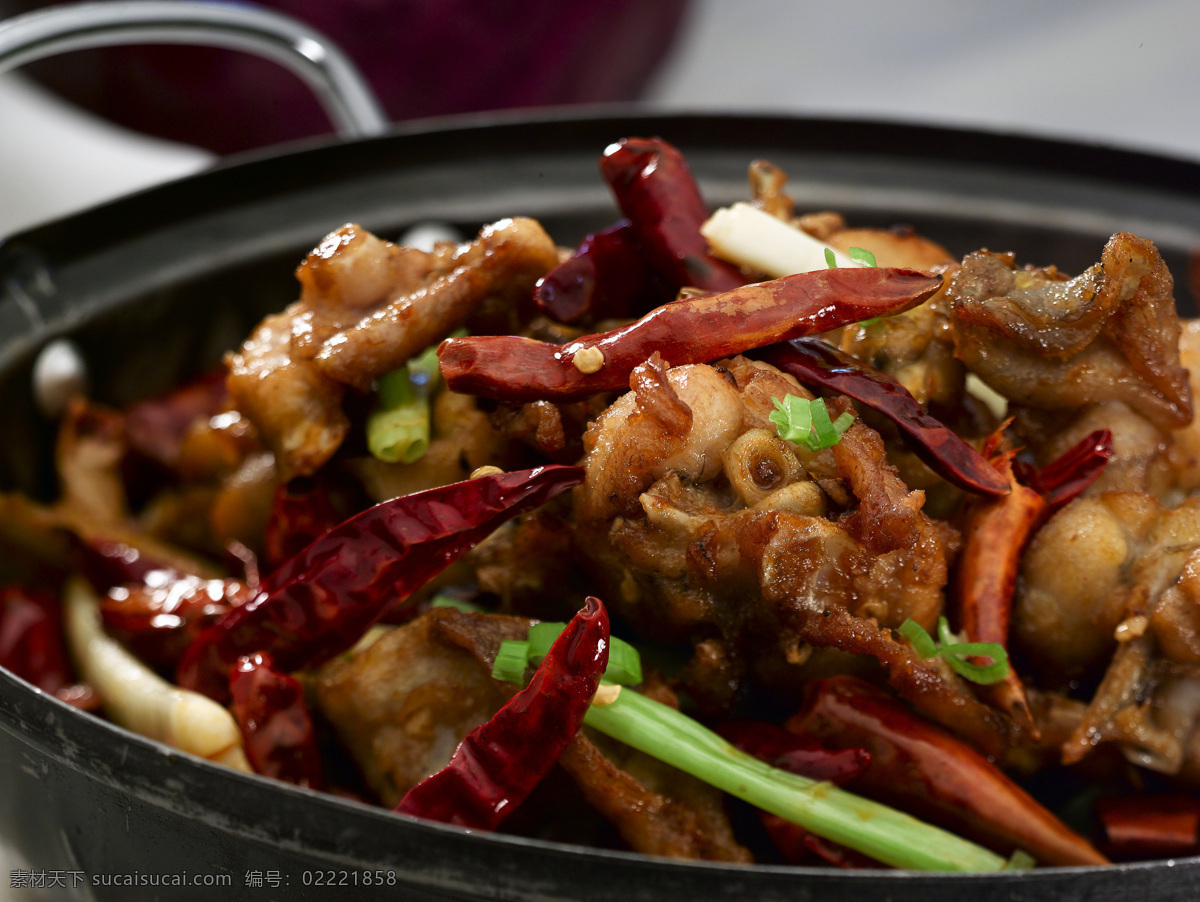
(1110, 334)
(366, 307)
(689, 551)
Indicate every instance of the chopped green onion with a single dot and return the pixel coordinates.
(807, 423)
(624, 662)
(830, 260)
(957, 652)
(883, 833)
(398, 427)
(511, 661)
(922, 642)
(861, 255)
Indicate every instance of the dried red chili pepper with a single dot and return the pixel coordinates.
(996, 531)
(321, 601)
(158, 617)
(656, 191)
(808, 758)
(500, 762)
(276, 727)
(697, 330)
(606, 277)
(922, 769)
(1137, 828)
(301, 512)
(815, 363)
(1067, 476)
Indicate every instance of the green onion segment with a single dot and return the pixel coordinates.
(804, 422)
(511, 661)
(624, 662)
(957, 652)
(861, 255)
(883, 833)
(398, 425)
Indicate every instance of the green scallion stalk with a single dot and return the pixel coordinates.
(883, 833)
(511, 661)
(398, 427)
(624, 661)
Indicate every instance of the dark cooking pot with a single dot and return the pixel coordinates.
(155, 286)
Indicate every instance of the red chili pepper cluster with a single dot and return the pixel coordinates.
(499, 763)
(321, 601)
(644, 260)
(697, 330)
(31, 639)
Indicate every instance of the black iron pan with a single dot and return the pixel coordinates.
(155, 286)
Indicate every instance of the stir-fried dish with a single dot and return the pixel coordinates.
(740, 535)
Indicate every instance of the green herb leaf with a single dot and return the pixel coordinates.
(830, 260)
(807, 423)
(957, 653)
(861, 255)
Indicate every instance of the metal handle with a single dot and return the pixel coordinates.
(339, 86)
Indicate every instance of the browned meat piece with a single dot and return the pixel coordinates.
(403, 705)
(915, 346)
(1112, 582)
(297, 409)
(366, 307)
(766, 187)
(704, 526)
(91, 446)
(1110, 334)
(657, 810)
(499, 268)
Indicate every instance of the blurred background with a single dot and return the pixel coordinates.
(84, 127)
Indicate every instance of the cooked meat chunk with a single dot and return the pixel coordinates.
(706, 528)
(1110, 334)
(657, 810)
(403, 705)
(366, 307)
